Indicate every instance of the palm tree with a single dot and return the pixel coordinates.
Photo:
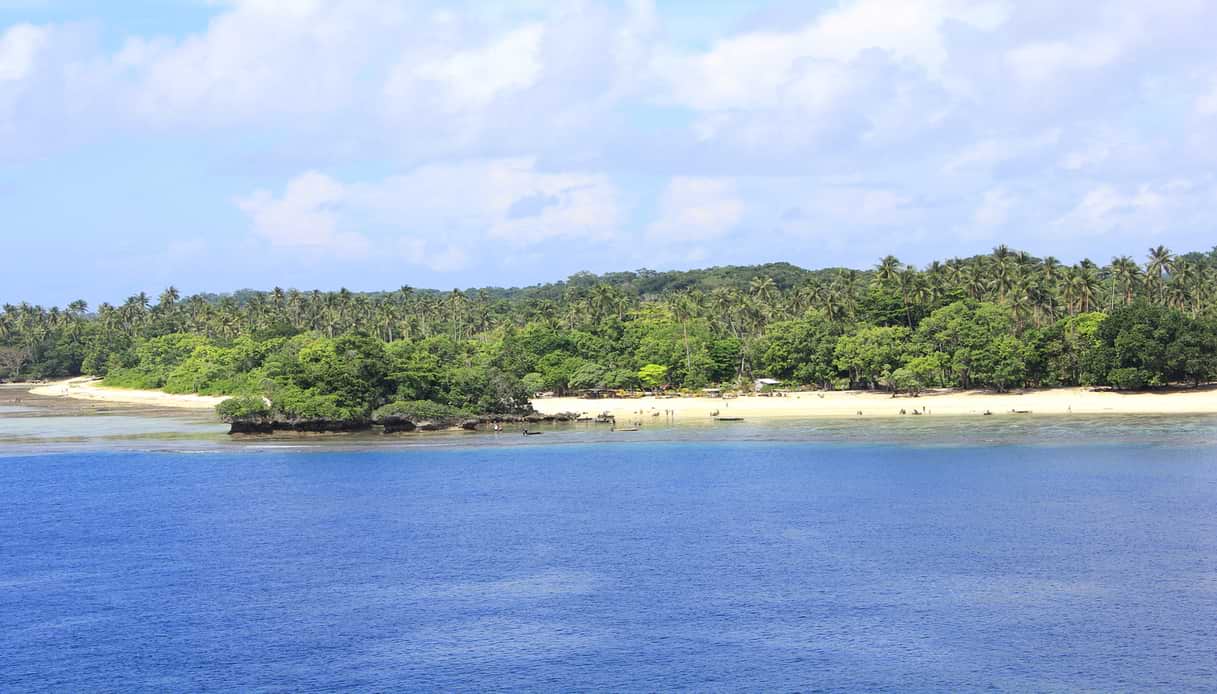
(1125, 273)
(725, 303)
(972, 281)
(763, 289)
(682, 310)
(849, 283)
(1081, 288)
(887, 270)
(457, 304)
(1161, 262)
(1050, 268)
(169, 298)
(603, 301)
(1002, 271)
(909, 281)
(1182, 287)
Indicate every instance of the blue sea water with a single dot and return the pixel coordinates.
(972, 556)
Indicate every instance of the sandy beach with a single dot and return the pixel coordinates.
(873, 404)
(86, 388)
(790, 405)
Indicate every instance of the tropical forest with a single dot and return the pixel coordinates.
(1000, 321)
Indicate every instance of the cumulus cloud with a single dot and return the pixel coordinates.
(767, 69)
(993, 151)
(451, 136)
(306, 216)
(697, 210)
(1044, 60)
(472, 79)
(994, 208)
(438, 216)
(1206, 104)
(1144, 208)
(19, 46)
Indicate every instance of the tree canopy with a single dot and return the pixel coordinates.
(1003, 320)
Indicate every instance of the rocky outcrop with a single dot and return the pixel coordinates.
(391, 424)
(395, 424)
(264, 425)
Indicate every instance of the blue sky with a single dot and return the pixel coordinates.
(217, 145)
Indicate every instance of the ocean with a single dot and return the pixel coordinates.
(1033, 554)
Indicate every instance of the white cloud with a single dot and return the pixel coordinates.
(1041, 61)
(990, 152)
(498, 121)
(1206, 104)
(305, 217)
(868, 207)
(434, 257)
(506, 200)
(994, 209)
(256, 61)
(438, 216)
(471, 79)
(696, 209)
(1092, 154)
(1144, 209)
(19, 47)
(764, 70)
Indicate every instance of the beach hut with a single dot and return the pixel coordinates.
(762, 383)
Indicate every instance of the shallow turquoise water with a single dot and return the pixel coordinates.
(1018, 554)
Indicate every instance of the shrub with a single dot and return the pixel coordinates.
(652, 375)
(246, 407)
(1129, 378)
(137, 378)
(419, 410)
(308, 405)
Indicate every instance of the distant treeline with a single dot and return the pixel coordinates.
(1000, 321)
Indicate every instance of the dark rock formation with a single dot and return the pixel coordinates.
(393, 424)
(264, 425)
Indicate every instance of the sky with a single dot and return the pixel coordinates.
(369, 144)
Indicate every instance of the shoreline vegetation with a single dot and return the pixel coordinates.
(679, 408)
(1036, 335)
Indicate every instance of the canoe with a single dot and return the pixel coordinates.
(728, 419)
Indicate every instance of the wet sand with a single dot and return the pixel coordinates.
(86, 388)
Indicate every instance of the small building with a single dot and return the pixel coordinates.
(762, 383)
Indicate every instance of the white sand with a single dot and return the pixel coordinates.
(85, 388)
(809, 404)
(871, 404)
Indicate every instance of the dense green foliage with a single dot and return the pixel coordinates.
(243, 407)
(1001, 321)
(420, 410)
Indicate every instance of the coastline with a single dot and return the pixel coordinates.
(86, 388)
(812, 404)
(809, 404)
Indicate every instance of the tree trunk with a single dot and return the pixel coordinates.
(688, 355)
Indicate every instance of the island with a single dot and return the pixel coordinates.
(1001, 333)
